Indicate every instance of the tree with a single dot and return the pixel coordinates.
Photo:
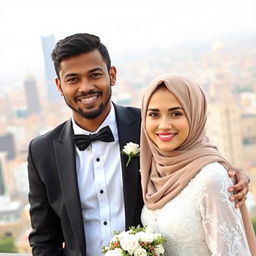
(7, 244)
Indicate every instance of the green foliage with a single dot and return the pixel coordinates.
(137, 229)
(254, 224)
(7, 244)
(159, 240)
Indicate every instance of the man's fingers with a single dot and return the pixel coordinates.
(237, 188)
(240, 197)
(231, 173)
(241, 202)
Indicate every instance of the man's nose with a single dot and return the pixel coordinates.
(86, 85)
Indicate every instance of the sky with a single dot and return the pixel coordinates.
(123, 25)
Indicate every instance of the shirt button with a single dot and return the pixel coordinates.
(101, 191)
(97, 159)
(105, 223)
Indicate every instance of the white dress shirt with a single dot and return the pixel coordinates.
(99, 176)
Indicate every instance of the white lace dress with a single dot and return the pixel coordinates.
(201, 220)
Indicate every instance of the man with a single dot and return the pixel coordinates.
(81, 191)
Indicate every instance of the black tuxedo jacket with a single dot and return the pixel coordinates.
(56, 214)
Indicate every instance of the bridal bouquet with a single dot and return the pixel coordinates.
(137, 241)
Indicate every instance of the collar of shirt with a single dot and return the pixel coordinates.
(109, 121)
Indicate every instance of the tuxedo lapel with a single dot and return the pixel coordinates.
(65, 159)
(129, 131)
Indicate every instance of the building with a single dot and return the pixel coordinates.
(6, 178)
(249, 129)
(32, 99)
(7, 144)
(20, 174)
(3, 187)
(224, 130)
(48, 43)
(14, 221)
(248, 124)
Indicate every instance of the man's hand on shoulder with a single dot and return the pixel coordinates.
(240, 189)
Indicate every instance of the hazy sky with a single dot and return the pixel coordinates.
(123, 25)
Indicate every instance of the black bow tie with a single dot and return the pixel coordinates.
(83, 141)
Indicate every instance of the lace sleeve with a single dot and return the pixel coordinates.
(222, 222)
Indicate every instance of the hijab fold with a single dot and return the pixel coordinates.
(165, 174)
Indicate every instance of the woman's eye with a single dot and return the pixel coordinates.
(176, 114)
(153, 114)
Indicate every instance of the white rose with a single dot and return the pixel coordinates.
(157, 235)
(149, 229)
(129, 243)
(146, 237)
(115, 252)
(114, 238)
(159, 250)
(121, 235)
(131, 148)
(140, 252)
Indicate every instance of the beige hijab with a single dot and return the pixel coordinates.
(165, 174)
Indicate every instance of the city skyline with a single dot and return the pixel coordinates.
(124, 26)
(223, 66)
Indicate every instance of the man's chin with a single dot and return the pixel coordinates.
(92, 114)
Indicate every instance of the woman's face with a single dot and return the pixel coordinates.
(166, 123)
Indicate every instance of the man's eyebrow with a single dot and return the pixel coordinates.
(76, 74)
(70, 75)
(95, 69)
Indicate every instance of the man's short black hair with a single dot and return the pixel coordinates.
(77, 44)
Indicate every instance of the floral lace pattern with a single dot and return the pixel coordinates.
(201, 220)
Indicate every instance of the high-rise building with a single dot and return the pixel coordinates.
(224, 130)
(32, 99)
(20, 174)
(7, 186)
(248, 124)
(48, 43)
(7, 145)
(2, 178)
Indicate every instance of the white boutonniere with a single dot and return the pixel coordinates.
(131, 150)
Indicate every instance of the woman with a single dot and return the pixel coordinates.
(184, 178)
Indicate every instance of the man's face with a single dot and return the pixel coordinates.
(85, 83)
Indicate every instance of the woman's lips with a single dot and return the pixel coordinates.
(164, 136)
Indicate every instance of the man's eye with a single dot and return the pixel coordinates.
(71, 80)
(96, 75)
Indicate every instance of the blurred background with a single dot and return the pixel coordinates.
(212, 42)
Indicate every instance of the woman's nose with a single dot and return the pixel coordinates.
(164, 123)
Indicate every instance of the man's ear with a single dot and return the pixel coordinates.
(112, 74)
(58, 84)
